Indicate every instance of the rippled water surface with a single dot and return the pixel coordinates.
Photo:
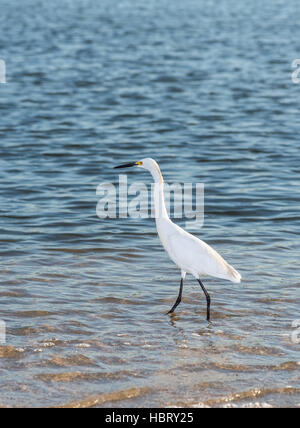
(205, 88)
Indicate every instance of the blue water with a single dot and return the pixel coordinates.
(204, 88)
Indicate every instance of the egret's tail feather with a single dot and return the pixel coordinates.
(234, 275)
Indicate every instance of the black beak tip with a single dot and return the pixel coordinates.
(125, 165)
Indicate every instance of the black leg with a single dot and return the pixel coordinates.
(207, 300)
(178, 298)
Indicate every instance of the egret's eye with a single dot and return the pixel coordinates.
(139, 163)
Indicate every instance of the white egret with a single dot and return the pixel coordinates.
(189, 253)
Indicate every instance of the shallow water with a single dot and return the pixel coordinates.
(204, 88)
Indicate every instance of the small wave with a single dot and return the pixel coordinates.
(251, 393)
(72, 376)
(69, 361)
(98, 400)
(34, 314)
(10, 352)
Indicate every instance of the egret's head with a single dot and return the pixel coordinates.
(146, 163)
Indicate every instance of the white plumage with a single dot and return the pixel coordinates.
(187, 251)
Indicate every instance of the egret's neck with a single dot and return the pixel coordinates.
(159, 200)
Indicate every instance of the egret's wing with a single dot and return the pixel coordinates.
(198, 257)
